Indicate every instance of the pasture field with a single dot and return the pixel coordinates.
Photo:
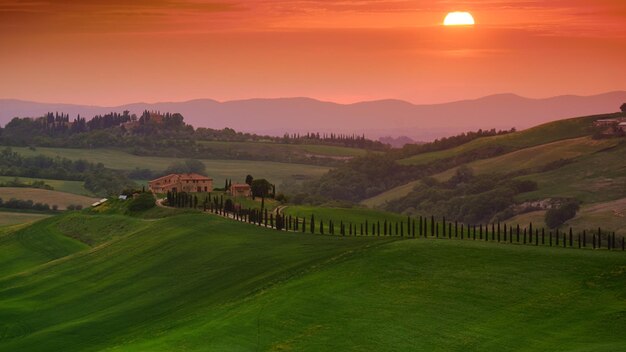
(75, 187)
(9, 218)
(542, 134)
(592, 178)
(394, 193)
(61, 199)
(217, 169)
(356, 216)
(535, 157)
(268, 148)
(596, 173)
(198, 282)
(611, 216)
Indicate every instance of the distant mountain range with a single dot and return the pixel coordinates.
(374, 118)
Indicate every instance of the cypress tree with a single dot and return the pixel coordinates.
(474, 233)
(622, 243)
(480, 232)
(543, 236)
(524, 235)
(599, 238)
(594, 240)
(556, 236)
(493, 232)
(456, 229)
(536, 237)
(378, 228)
(517, 231)
(420, 227)
(499, 231)
(571, 239)
(366, 228)
(312, 226)
(385, 228)
(432, 225)
(361, 229)
(550, 234)
(321, 227)
(461, 231)
(303, 225)
(505, 232)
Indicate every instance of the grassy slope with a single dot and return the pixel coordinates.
(537, 156)
(23, 247)
(196, 282)
(218, 169)
(262, 148)
(394, 193)
(75, 187)
(8, 218)
(61, 199)
(610, 216)
(597, 177)
(542, 134)
(354, 215)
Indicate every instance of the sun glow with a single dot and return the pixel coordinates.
(459, 19)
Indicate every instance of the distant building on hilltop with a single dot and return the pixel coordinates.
(240, 190)
(606, 122)
(181, 183)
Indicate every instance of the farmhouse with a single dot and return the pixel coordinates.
(181, 183)
(240, 190)
(606, 122)
(622, 126)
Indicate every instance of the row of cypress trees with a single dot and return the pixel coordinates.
(419, 227)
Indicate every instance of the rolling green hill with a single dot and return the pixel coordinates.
(61, 199)
(536, 157)
(558, 158)
(542, 134)
(262, 148)
(218, 169)
(74, 187)
(197, 282)
(592, 178)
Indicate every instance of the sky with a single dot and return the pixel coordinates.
(114, 52)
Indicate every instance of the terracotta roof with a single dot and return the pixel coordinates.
(240, 185)
(192, 176)
(162, 177)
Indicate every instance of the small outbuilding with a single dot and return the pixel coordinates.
(240, 190)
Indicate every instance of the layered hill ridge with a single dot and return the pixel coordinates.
(374, 118)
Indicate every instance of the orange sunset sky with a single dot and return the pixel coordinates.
(114, 52)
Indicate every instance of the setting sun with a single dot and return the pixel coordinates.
(458, 19)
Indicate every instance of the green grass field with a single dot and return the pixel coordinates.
(592, 178)
(265, 148)
(394, 193)
(61, 199)
(596, 174)
(8, 218)
(546, 133)
(609, 215)
(217, 169)
(355, 216)
(535, 157)
(75, 187)
(202, 283)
